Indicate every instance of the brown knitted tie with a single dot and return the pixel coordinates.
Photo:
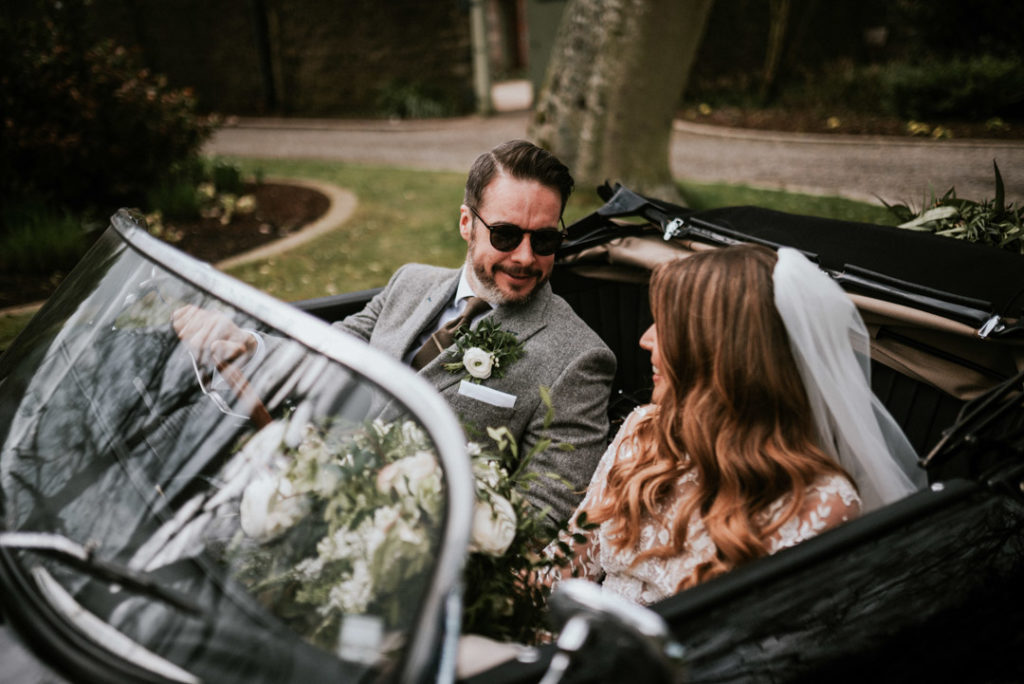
(445, 335)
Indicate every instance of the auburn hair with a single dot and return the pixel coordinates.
(733, 410)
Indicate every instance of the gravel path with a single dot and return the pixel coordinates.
(861, 167)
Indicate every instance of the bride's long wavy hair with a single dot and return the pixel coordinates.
(733, 409)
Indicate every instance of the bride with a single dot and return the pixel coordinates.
(762, 431)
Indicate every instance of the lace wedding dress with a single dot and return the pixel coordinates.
(830, 501)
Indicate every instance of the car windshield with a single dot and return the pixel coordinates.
(278, 518)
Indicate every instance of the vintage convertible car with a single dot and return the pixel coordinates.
(156, 505)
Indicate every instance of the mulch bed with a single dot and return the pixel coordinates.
(280, 210)
(850, 122)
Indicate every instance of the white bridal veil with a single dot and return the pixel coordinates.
(832, 350)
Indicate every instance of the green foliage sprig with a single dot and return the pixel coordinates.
(500, 602)
(989, 222)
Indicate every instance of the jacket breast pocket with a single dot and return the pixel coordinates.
(480, 414)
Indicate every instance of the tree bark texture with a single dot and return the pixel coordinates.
(777, 24)
(617, 72)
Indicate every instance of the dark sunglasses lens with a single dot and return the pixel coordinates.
(506, 238)
(542, 242)
(545, 242)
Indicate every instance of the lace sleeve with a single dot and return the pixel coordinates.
(584, 541)
(830, 502)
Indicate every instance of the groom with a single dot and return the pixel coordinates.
(510, 217)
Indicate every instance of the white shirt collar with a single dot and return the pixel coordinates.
(464, 290)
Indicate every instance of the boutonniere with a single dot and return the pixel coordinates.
(484, 353)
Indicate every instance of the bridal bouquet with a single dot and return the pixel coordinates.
(344, 522)
(339, 522)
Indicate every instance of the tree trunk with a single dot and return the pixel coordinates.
(617, 72)
(777, 24)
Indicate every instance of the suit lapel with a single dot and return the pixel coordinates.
(528, 320)
(425, 311)
(524, 322)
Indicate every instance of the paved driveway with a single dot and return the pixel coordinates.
(862, 167)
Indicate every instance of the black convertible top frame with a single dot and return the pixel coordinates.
(885, 273)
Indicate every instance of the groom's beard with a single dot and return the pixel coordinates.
(494, 294)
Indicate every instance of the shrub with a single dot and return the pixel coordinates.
(226, 178)
(972, 87)
(175, 199)
(84, 125)
(41, 238)
(412, 101)
(185, 189)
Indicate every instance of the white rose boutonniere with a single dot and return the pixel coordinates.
(478, 362)
(484, 353)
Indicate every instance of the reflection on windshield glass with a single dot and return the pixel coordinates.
(268, 488)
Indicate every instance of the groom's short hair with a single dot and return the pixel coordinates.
(520, 159)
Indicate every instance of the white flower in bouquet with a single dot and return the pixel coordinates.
(478, 362)
(327, 479)
(354, 594)
(299, 425)
(412, 433)
(417, 475)
(312, 446)
(380, 550)
(270, 506)
(494, 526)
(489, 472)
(312, 468)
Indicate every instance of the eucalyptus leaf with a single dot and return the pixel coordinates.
(1000, 192)
(934, 214)
(988, 222)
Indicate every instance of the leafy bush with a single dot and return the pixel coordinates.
(973, 87)
(84, 125)
(226, 178)
(989, 222)
(175, 199)
(41, 238)
(412, 101)
(187, 189)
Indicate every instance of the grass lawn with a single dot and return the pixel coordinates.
(407, 215)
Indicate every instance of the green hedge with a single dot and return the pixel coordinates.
(969, 87)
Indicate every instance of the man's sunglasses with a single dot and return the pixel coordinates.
(505, 237)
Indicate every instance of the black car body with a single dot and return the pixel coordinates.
(927, 587)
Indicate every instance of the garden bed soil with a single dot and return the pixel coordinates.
(280, 210)
(850, 122)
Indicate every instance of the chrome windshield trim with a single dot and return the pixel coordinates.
(103, 634)
(416, 394)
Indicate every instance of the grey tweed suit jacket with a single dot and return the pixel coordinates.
(561, 353)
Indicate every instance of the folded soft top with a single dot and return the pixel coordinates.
(978, 276)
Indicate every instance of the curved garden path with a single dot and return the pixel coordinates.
(859, 167)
